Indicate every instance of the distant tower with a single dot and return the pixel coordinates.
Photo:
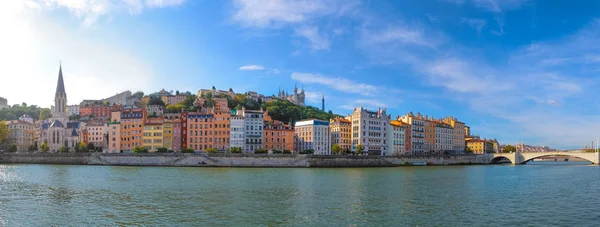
(323, 104)
(60, 97)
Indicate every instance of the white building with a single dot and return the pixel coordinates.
(118, 99)
(21, 134)
(417, 132)
(370, 129)
(396, 138)
(253, 129)
(444, 137)
(155, 110)
(73, 110)
(26, 118)
(237, 133)
(313, 135)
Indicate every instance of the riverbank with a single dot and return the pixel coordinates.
(236, 160)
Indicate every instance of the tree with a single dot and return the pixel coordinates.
(4, 132)
(177, 92)
(12, 148)
(140, 150)
(468, 150)
(336, 148)
(91, 147)
(155, 101)
(212, 150)
(63, 150)
(32, 148)
(287, 152)
(360, 148)
(81, 147)
(45, 148)
(235, 150)
(186, 150)
(174, 108)
(509, 149)
(45, 114)
(162, 150)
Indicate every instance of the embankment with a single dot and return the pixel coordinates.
(235, 160)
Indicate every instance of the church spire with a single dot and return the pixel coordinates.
(60, 86)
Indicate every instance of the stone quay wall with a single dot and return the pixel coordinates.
(236, 160)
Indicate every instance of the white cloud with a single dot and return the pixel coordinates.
(313, 97)
(91, 69)
(476, 24)
(89, 11)
(495, 6)
(252, 67)
(339, 84)
(317, 41)
(399, 34)
(266, 13)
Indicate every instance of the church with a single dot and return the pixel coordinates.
(58, 131)
(296, 98)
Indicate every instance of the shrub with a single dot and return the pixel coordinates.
(162, 150)
(140, 150)
(45, 148)
(287, 151)
(63, 150)
(212, 150)
(235, 150)
(308, 151)
(186, 150)
(275, 151)
(261, 151)
(12, 148)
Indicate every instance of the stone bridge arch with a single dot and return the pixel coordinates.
(521, 158)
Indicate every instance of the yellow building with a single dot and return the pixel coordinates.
(168, 135)
(478, 146)
(341, 133)
(153, 136)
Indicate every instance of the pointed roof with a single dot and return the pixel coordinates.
(74, 132)
(60, 86)
(56, 123)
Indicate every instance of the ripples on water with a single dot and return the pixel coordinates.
(539, 195)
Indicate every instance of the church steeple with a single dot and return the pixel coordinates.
(60, 86)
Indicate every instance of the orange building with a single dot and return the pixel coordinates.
(85, 136)
(95, 110)
(278, 136)
(200, 131)
(132, 128)
(221, 130)
(429, 135)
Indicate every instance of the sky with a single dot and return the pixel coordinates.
(515, 70)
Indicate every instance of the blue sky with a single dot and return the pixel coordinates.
(516, 70)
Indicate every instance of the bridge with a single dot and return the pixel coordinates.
(517, 158)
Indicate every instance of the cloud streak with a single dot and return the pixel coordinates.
(337, 83)
(252, 67)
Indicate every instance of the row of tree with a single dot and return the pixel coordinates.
(16, 111)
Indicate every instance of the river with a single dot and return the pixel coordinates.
(491, 195)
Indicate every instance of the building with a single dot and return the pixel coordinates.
(458, 135)
(253, 129)
(214, 92)
(114, 133)
(417, 132)
(296, 98)
(200, 131)
(168, 132)
(277, 135)
(313, 135)
(429, 134)
(237, 134)
(95, 111)
(479, 146)
(444, 138)
(73, 110)
(222, 129)
(152, 136)
(132, 127)
(369, 128)
(26, 118)
(341, 133)
(21, 134)
(118, 99)
(3, 103)
(155, 110)
(58, 132)
(98, 135)
(173, 99)
(396, 138)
